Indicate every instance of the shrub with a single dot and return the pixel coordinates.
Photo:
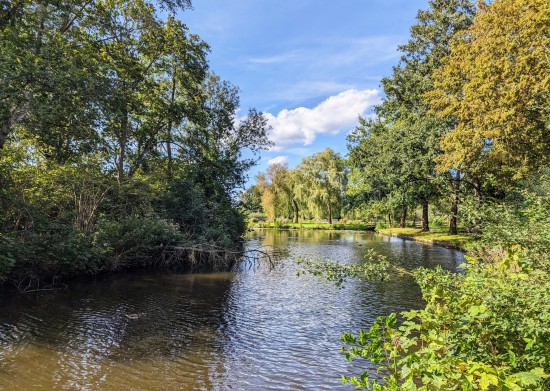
(134, 242)
(381, 226)
(487, 329)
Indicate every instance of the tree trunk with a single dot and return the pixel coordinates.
(4, 132)
(169, 130)
(296, 211)
(478, 203)
(122, 138)
(414, 219)
(389, 219)
(329, 213)
(425, 217)
(403, 222)
(454, 207)
(120, 162)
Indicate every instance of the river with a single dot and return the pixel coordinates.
(257, 328)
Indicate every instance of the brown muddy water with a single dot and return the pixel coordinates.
(251, 329)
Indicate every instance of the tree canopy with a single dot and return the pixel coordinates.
(495, 85)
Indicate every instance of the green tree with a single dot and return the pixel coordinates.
(325, 175)
(251, 199)
(276, 188)
(115, 138)
(408, 136)
(495, 84)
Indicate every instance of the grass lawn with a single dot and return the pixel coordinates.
(435, 236)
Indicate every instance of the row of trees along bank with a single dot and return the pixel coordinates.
(464, 122)
(116, 139)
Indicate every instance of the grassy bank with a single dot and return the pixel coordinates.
(436, 236)
(314, 225)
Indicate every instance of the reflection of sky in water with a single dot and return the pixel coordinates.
(253, 329)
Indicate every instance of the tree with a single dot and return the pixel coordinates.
(48, 76)
(276, 188)
(396, 161)
(212, 142)
(57, 57)
(116, 139)
(495, 84)
(251, 199)
(325, 174)
(407, 135)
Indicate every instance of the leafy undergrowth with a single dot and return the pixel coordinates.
(486, 330)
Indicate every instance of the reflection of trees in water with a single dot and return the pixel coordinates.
(95, 334)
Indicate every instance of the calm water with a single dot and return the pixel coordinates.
(253, 329)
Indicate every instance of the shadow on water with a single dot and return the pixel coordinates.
(250, 329)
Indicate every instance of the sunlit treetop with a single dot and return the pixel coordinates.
(495, 85)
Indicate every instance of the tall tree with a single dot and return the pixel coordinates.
(56, 58)
(412, 134)
(275, 187)
(495, 83)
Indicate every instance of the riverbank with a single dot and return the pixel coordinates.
(131, 256)
(435, 237)
(316, 225)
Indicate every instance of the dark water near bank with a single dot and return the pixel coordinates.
(254, 329)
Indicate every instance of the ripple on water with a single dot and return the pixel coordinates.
(249, 330)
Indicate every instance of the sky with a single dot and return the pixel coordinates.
(311, 66)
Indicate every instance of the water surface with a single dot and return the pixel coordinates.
(251, 329)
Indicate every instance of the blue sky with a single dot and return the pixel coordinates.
(312, 66)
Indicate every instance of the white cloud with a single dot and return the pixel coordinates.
(337, 113)
(277, 160)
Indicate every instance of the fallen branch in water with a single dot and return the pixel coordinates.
(206, 256)
(35, 284)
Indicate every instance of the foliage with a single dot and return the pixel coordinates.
(374, 267)
(115, 138)
(484, 329)
(394, 154)
(135, 242)
(495, 83)
(250, 200)
(519, 228)
(313, 189)
(275, 188)
(324, 174)
(487, 329)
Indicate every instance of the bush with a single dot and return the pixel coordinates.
(381, 226)
(487, 329)
(134, 242)
(519, 228)
(257, 217)
(7, 257)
